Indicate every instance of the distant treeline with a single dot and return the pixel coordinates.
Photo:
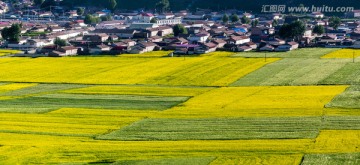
(245, 5)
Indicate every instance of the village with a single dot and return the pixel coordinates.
(61, 32)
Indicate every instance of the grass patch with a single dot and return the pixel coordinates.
(50, 102)
(173, 161)
(218, 129)
(331, 159)
(299, 53)
(348, 74)
(292, 71)
(348, 99)
(140, 90)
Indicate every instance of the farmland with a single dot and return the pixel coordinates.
(299, 107)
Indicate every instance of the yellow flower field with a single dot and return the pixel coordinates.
(4, 52)
(261, 159)
(199, 71)
(77, 123)
(343, 53)
(211, 72)
(218, 54)
(148, 54)
(258, 101)
(15, 86)
(337, 141)
(51, 149)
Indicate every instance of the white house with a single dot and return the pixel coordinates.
(317, 15)
(198, 38)
(172, 21)
(143, 18)
(237, 40)
(267, 48)
(287, 47)
(166, 16)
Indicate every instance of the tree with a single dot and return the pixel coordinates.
(153, 20)
(111, 5)
(285, 31)
(245, 20)
(80, 11)
(234, 18)
(334, 22)
(12, 34)
(293, 30)
(106, 18)
(163, 6)
(275, 23)
(179, 29)
(46, 5)
(298, 29)
(254, 23)
(225, 18)
(89, 19)
(319, 29)
(59, 42)
(39, 2)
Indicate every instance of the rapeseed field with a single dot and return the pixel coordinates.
(217, 108)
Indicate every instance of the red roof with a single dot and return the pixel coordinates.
(147, 14)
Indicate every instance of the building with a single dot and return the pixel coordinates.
(121, 33)
(172, 21)
(287, 47)
(99, 37)
(317, 15)
(237, 40)
(143, 47)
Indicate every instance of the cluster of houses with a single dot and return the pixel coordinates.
(140, 32)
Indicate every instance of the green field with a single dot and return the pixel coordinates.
(218, 129)
(219, 108)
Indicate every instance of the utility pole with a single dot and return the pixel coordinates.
(265, 56)
(354, 57)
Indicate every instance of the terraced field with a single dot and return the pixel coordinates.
(300, 107)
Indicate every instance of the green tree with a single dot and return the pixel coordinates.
(319, 29)
(111, 5)
(59, 42)
(12, 34)
(298, 29)
(275, 22)
(334, 22)
(46, 5)
(153, 20)
(80, 11)
(234, 18)
(39, 2)
(293, 30)
(179, 29)
(285, 31)
(254, 23)
(163, 6)
(106, 18)
(89, 19)
(245, 20)
(225, 18)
